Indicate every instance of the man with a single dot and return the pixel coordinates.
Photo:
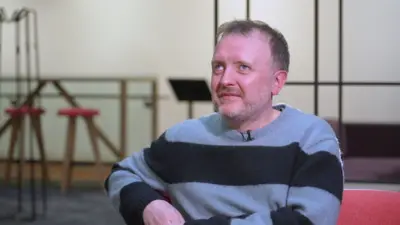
(250, 163)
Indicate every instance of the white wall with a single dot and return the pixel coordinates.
(175, 38)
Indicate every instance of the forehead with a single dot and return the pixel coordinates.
(236, 47)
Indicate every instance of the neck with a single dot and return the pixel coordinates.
(255, 121)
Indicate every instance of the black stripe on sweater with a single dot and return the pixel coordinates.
(287, 215)
(177, 162)
(134, 198)
(283, 216)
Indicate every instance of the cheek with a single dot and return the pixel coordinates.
(257, 91)
(214, 84)
(250, 87)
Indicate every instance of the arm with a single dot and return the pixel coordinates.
(315, 193)
(132, 185)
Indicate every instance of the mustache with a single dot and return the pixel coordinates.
(228, 92)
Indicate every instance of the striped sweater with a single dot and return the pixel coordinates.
(288, 172)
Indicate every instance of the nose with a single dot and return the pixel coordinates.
(227, 78)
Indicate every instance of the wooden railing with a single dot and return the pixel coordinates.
(71, 98)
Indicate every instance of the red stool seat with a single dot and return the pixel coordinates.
(18, 111)
(73, 112)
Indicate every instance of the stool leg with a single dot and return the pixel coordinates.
(37, 127)
(69, 154)
(21, 163)
(96, 152)
(15, 128)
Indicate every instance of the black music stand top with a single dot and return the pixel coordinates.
(192, 90)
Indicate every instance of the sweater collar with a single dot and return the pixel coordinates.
(257, 133)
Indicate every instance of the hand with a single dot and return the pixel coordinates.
(160, 212)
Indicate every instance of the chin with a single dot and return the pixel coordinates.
(229, 111)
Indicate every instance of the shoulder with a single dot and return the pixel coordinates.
(191, 128)
(315, 125)
(319, 136)
(315, 133)
(306, 121)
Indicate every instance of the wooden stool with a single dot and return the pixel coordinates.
(87, 115)
(17, 129)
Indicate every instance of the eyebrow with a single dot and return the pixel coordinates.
(242, 62)
(214, 61)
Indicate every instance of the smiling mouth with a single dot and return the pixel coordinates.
(222, 95)
(228, 97)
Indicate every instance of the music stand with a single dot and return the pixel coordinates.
(190, 90)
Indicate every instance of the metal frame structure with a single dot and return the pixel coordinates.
(216, 20)
(317, 83)
(18, 16)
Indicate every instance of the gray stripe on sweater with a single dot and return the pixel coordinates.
(235, 201)
(138, 171)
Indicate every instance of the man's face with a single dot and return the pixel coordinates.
(243, 79)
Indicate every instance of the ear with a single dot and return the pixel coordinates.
(279, 81)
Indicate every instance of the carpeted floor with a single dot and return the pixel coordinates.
(79, 207)
(88, 206)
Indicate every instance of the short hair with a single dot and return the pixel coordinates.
(277, 42)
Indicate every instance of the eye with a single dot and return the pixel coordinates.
(244, 67)
(218, 68)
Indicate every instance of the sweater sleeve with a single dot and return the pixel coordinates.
(315, 193)
(132, 185)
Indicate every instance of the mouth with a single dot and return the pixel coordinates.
(228, 96)
(223, 94)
